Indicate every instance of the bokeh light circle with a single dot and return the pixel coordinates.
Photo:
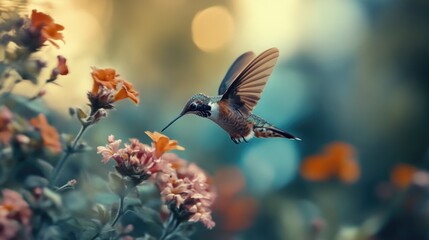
(269, 164)
(212, 28)
(285, 98)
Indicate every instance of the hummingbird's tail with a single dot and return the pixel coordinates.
(271, 131)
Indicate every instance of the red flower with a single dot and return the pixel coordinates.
(46, 25)
(60, 69)
(5, 129)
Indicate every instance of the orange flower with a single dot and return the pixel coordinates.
(234, 211)
(127, 91)
(117, 89)
(50, 136)
(317, 168)
(163, 143)
(343, 157)
(402, 175)
(239, 214)
(49, 29)
(337, 160)
(229, 181)
(104, 77)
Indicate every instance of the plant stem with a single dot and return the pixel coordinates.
(96, 236)
(36, 96)
(68, 152)
(119, 212)
(172, 225)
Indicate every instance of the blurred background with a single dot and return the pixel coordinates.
(352, 82)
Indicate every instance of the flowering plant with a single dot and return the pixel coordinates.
(35, 203)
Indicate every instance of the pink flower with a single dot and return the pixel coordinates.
(201, 213)
(188, 190)
(8, 228)
(15, 215)
(110, 149)
(184, 188)
(136, 160)
(16, 207)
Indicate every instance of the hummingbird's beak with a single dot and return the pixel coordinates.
(180, 115)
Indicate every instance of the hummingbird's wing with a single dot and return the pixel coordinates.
(239, 64)
(245, 91)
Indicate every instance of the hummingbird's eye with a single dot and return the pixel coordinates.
(193, 106)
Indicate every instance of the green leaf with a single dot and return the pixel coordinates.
(50, 233)
(149, 215)
(151, 222)
(81, 115)
(178, 236)
(116, 184)
(26, 74)
(102, 213)
(45, 167)
(91, 228)
(23, 107)
(33, 181)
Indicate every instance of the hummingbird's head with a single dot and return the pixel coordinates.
(198, 105)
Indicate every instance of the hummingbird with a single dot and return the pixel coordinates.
(238, 93)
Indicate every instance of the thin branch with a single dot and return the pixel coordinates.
(119, 212)
(68, 152)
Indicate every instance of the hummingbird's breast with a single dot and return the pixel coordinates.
(230, 120)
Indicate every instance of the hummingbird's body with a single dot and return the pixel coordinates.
(239, 93)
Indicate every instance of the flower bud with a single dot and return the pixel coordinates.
(101, 113)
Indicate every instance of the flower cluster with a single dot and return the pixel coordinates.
(40, 210)
(108, 88)
(15, 216)
(184, 187)
(135, 160)
(187, 191)
(20, 38)
(14, 129)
